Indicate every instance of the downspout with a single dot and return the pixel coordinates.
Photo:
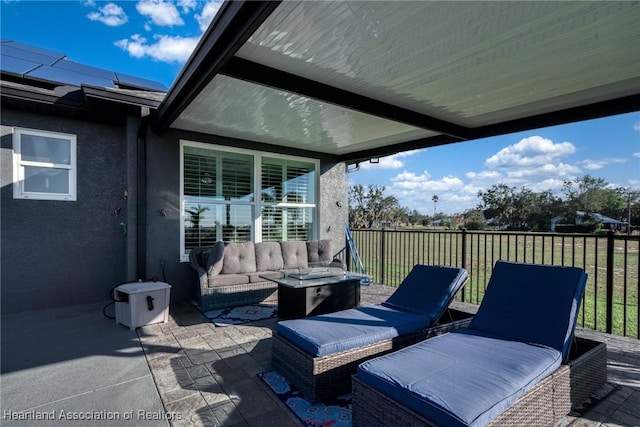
(141, 188)
(130, 196)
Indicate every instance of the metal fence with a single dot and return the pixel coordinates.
(610, 302)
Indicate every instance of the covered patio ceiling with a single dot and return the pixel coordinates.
(364, 79)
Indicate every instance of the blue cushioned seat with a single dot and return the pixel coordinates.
(347, 329)
(520, 335)
(459, 378)
(418, 302)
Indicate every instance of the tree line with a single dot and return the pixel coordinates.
(502, 206)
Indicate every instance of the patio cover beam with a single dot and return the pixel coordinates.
(233, 25)
(250, 71)
(622, 105)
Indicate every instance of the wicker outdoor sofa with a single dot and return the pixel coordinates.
(229, 273)
(319, 354)
(515, 363)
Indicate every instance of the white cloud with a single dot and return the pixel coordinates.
(389, 162)
(636, 126)
(529, 152)
(208, 12)
(416, 191)
(160, 12)
(553, 184)
(636, 154)
(560, 169)
(484, 175)
(187, 5)
(410, 181)
(165, 48)
(110, 14)
(90, 3)
(599, 164)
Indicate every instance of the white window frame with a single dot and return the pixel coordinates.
(257, 188)
(19, 166)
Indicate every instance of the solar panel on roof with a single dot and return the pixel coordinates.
(60, 75)
(9, 64)
(32, 62)
(33, 49)
(139, 83)
(85, 69)
(34, 55)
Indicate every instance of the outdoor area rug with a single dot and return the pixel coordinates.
(338, 411)
(240, 315)
(335, 413)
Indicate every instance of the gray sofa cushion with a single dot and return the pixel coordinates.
(239, 258)
(319, 251)
(294, 254)
(269, 256)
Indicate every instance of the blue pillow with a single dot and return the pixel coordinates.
(428, 290)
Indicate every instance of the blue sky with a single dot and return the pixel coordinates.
(154, 38)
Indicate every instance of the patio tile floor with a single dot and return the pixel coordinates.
(222, 363)
(207, 376)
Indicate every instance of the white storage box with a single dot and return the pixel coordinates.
(142, 303)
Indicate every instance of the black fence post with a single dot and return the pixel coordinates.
(382, 252)
(347, 254)
(464, 260)
(610, 247)
(382, 260)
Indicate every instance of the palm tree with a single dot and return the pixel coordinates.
(196, 215)
(435, 199)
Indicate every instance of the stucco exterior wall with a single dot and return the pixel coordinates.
(62, 253)
(58, 253)
(163, 206)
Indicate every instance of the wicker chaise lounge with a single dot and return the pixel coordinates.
(319, 354)
(510, 366)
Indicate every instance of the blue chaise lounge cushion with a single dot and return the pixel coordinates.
(347, 329)
(520, 335)
(428, 289)
(460, 379)
(418, 303)
(532, 303)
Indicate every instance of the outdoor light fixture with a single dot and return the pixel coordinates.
(354, 169)
(374, 160)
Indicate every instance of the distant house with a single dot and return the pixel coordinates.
(606, 221)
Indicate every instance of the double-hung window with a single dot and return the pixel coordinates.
(288, 199)
(44, 165)
(217, 196)
(241, 195)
